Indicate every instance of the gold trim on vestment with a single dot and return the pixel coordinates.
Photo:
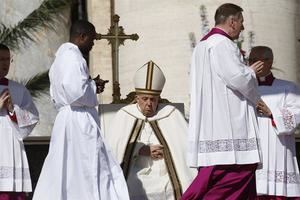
(177, 189)
(135, 132)
(149, 75)
(145, 91)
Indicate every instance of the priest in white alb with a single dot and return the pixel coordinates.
(278, 177)
(149, 140)
(79, 166)
(18, 117)
(223, 128)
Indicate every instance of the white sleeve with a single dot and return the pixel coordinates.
(230, 68)
(79, 89)
(27, 116)
(287, 117)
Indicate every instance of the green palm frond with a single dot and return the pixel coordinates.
(45, 16)
(38, 84)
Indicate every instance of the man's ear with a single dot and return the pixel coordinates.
(82, 37)
(231, 21)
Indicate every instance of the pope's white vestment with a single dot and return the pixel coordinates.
(79, 166)
(149, 179)
(14, 171)
(279, 175)
(223, 124)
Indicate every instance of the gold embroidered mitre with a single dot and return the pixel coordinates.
(149, 79)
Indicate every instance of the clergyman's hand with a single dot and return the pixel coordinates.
(257, 68)
(4, 96)
(263, 109)
(100, 84)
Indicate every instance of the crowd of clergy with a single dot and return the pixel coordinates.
(238, 144)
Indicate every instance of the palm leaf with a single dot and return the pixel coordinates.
(45, 16)
(38, 84)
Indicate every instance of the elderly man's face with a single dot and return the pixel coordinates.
(4, 62)
(147, 103)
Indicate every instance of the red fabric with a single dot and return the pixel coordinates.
(221, 32)
(13, 117)
(12, 196)
(270, 197)
(230, 182)
(273, 122)
(216, 31)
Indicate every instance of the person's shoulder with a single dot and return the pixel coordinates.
(17, 87)
(131, 108)
(167, 107)
(16, 84)
(214, 41)
(286, 83)
(217, 39)
(68, 50)
(165, 110)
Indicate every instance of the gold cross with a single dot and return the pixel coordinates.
(116, 37)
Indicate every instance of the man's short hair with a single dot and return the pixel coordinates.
(3, 47)
(81, 27)
(226, 10)
(267, 52)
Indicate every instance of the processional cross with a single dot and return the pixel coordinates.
(116, 37)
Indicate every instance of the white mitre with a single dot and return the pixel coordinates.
(149, 79)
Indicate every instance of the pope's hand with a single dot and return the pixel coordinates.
(154, 151)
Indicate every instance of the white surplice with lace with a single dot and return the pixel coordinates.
(279, 175)
(14, 171)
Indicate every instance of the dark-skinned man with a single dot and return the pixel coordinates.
(78, 165)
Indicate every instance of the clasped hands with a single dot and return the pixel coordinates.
(100, 84)
(154, 151)
(5, 101)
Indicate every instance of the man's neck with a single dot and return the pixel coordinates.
(225, 29)
(221, 28)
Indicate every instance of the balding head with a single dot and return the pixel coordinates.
(260, 52)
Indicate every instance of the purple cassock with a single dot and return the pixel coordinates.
(12, 196)
(220, 182)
